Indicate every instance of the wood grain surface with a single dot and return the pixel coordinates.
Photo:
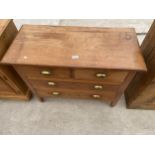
(76, 47)
(12, 86)
(76, 58)
(8, 32)
(141, 91)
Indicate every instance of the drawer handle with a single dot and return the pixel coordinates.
(98, 87)
(55, 93)
(101, 75)
(96, 96)
(45, 72)
(50, 83)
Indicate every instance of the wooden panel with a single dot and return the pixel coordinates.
(12, 87)
(76, 47)
(3, 25)
(12, 96)
(111, 76)
(123, 87)
(4, 88)
(73, 85)
(146, 99)
(10, 76)
(140, 92)
(8, 32)
(105, 96)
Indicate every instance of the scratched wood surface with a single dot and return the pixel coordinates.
(81, 47)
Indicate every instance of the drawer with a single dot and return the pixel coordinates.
(73, 85)
(107, 76)
(43, 72)
(55, 92)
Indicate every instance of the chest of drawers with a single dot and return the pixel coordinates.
(78, 62)
(11, 85)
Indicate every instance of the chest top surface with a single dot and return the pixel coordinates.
(108, 48)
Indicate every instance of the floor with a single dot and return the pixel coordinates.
(69, 116)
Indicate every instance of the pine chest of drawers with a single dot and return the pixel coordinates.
(11, 85)
(78, 62)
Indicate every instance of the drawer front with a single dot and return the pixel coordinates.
(73, 85)
(55, 92)
(43, 72)
(106, 76)
(4, 88)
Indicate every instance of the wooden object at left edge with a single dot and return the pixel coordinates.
(11, 85)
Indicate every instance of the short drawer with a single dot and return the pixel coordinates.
(55, 92)
(43, 72)
(107, 76)
(98, 87)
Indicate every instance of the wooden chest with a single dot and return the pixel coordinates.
(95, 63)
(141, 91)
(11, 85)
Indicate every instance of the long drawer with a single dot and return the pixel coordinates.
(98, 87)
(57, 92)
